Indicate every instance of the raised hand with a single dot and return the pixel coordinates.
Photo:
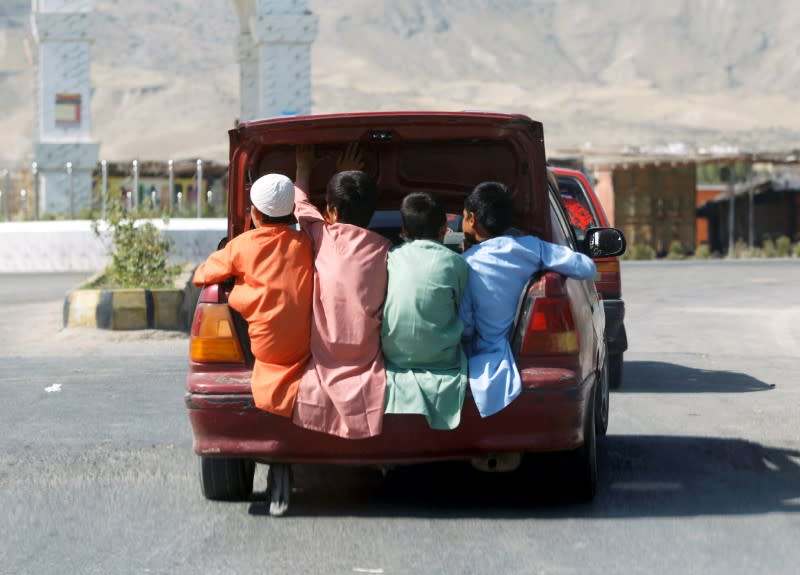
(350, 159)
(305, 160)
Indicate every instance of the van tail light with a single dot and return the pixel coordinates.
(549, 327)
(551, 330)
(213, 337)
(608, 280)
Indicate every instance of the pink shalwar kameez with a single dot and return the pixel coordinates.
(343, 387)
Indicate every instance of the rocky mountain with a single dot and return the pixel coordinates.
(598, 73)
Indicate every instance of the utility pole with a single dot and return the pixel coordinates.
(751, 226)
(135, 170)
(35, 177)
(103, 188)
(727, 174)
(199, 188)
(70, 190)
(5, 194)
(170, 184)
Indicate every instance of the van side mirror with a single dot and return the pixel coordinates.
(604, 242)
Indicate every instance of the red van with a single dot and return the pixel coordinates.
(585, 211)
(558, 338)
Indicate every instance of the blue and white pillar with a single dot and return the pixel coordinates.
(64, 32)
(274, 52)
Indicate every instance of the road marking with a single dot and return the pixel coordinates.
(725, 310)
(52, 388)
(646, 486)
(366, 570)
(783, 328)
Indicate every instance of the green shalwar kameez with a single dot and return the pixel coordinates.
(426, 369)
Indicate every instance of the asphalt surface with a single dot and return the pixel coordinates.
(31, 288)
(700, 472)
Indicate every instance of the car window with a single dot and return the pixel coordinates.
(562, 233)
(579, 209)
(388, 223)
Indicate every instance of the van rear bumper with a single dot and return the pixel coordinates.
(547, 417)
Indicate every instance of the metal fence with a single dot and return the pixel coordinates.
(190, 189)
(16, 200)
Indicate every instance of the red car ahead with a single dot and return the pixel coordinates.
(585, 211)
(558, 338)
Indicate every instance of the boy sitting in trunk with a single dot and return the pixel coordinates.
(273, 267)
(500, 265)
(344, 384)
(426, 369)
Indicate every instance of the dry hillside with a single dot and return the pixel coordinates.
(599, 72)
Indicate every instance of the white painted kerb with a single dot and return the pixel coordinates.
(67, 246)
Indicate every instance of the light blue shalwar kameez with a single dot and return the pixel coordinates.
(499, 269)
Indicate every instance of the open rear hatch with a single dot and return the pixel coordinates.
(446, 153)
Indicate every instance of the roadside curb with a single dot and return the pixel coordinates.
(132, 309)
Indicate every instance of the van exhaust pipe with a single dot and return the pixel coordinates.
(497, 462)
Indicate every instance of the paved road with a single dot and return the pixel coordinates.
(30, 288)
(700, 472)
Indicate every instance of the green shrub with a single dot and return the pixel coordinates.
(796, 250)
(783, 247)
(676, 251)
(703, 252)
(139, 252)
(85, 214)
(768, 249)
(741, 250)
(639, 252)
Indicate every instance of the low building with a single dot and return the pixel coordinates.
(764, 208)
(652, 201)
(153, 184)
(705, 193)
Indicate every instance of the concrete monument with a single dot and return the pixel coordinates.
(274, 52)
(64, 152)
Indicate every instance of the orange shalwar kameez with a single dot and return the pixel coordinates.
(273, 266)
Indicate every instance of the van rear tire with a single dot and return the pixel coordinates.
(615, 370)
(602, 400)
(227, 479)
(583, 468)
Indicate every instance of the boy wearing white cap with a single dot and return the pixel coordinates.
(273, 266)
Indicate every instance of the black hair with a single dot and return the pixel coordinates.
(423, 216)
(287, 219)
(493, 206)
(353, 193)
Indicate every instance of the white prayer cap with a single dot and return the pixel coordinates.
(273, 195)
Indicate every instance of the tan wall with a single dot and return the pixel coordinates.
(654, 204)
(604, 189)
